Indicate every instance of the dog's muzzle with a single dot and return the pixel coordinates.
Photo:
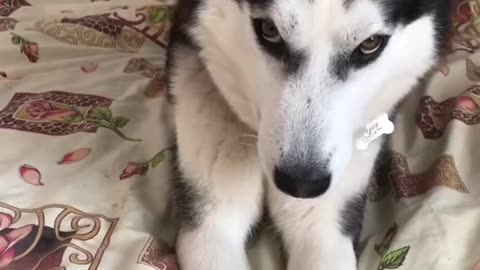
(302, 181)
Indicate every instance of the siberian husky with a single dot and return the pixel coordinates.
(268, 97)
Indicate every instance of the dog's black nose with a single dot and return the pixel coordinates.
(302, 182)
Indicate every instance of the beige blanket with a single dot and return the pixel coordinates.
(84, 154)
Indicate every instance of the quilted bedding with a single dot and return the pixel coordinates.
(84, 159)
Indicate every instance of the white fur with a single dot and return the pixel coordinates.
(208, 136)
(243, 91)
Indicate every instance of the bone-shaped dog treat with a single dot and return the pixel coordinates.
(378, 127)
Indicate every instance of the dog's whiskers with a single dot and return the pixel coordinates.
(248, 139)
(248, 144)
(249, 135)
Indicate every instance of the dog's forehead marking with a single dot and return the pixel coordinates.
(347, 3)
(312, 24)
(321, 17)
(309, 14)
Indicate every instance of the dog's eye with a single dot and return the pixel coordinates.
(269, 31)
(372, 45)
(368, 51)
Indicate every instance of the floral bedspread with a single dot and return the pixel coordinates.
(84, 147)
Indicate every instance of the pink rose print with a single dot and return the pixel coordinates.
(7, 7)
(29, 48)
(444, 69)
(74, 156)
(391, 259)
(134, 169)
(8, 239)
(170, 262)
(463, 12)
(433, 117)
(7, 24)
(4, 75)
(158, 255)
(387, 240)
(89, 68)
(30, 175)
(44, 110)
(467, 103)
(141, 168)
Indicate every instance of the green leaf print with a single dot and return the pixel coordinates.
(394, 259)
(29, 48)
(105, 119)
(16, 40)
(74, 119)
(120, 121)
(158, 15)
(158, 159)
(142, 168)
(380, 250)
(103, 113)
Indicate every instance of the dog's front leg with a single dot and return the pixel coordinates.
(313, 230)
(218, 203)
(216, 241)
(219, 193)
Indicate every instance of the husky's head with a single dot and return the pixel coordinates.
(309, 74)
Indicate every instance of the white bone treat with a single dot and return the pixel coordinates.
(378, 127)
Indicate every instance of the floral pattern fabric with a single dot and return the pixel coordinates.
(85, 150)
(85, 157)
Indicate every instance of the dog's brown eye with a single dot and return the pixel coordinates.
(371, 45)
(270, 31)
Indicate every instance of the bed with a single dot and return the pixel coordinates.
(85, 148)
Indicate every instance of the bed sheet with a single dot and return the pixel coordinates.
(85, 149)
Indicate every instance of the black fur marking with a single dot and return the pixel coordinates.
(340, 67)
(352, 219)
(183, 18)
(189, 203)
(263, 4)
(407, 11)
(401, 12)
(343, 63)
(292, 24)
(292, 60)
(259, 3)
(347, 3)
(263, 223)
